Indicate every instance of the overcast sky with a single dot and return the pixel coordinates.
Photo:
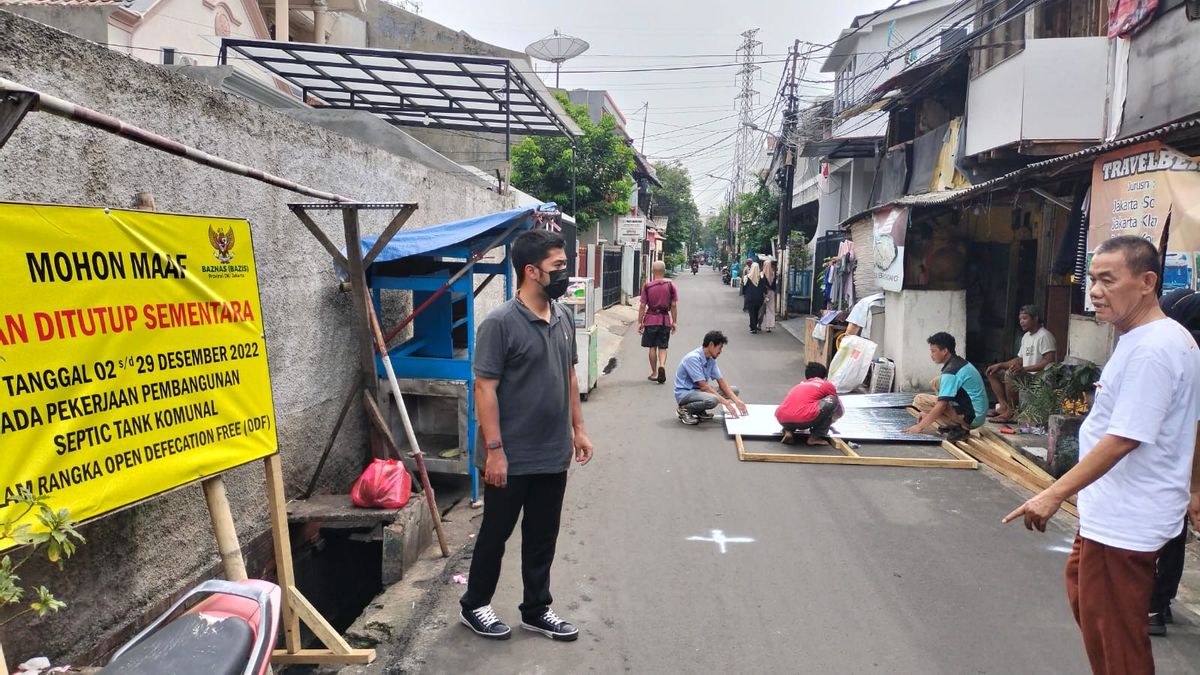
(690, 110)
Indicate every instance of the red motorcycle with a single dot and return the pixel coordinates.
(230, 632)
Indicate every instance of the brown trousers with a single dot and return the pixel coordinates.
(1109, 590)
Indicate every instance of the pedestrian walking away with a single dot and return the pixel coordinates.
(694, 393)
(1138, 472)
(766, 315)
(811, 406)
(658, 315)
(530, 424)
(755, 292)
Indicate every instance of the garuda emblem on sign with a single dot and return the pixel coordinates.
(222, 243)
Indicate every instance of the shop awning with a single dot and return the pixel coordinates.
(843, 148)
(452, 239)
(481, 94)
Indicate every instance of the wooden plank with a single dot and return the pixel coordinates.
(390, 231)
(923, 462)
(381, 426)
(322, 657)
(741, 447)
(844, 447)
(277, 504)
(956, 452)
(316, 623)
(308, 222)
(362, 311)
(224, 529)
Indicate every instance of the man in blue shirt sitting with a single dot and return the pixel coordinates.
(961, 402)
(694, 394)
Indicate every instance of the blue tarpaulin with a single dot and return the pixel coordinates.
(470, 232)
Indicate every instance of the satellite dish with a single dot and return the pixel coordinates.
(557, 48)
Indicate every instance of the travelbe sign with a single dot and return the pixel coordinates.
(132, 358)
(631, 230)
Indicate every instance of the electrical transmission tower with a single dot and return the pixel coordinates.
(744, 149)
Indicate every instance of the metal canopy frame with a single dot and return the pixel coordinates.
(458, 92)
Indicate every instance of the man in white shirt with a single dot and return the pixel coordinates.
(1138, 471)
(1037, 351)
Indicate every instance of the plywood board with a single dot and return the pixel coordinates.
(858, 424)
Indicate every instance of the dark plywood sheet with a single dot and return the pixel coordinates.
(896, 400)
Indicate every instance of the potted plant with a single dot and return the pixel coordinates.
(1054, 400)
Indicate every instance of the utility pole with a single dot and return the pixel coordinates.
(645, 117)
(791, 117)
(744, 147)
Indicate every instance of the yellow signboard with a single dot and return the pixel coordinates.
(132, 357)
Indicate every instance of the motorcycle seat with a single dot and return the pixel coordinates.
(193, 644)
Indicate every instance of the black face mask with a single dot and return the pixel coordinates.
(559, 281)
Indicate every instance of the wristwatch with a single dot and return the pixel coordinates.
(494, 445)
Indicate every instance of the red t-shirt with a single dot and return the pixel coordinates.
(657, 297)
(800, 404)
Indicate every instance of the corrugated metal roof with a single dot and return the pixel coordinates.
(951, 196)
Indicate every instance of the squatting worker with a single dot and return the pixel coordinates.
(530, 423)
(961, 401)
(1137, 461)
(657, 317)
(694, 393)
(811, 406)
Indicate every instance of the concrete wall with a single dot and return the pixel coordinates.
(912, 316)
(136, 558)
(1163, 63)
(389, 27)
(89, 23)
(1053, 90)
(1089, 340)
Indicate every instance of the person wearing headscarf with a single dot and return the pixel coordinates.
(766, 317)
(755, 292)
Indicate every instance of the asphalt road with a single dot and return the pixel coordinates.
(850, 569)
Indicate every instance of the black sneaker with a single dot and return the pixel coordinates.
(687, 417)
(1166, 614)
(551, 626)
(1158, 624)
(485, 622)
(706, 415)
(956, 434)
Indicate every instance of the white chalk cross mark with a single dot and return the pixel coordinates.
(718, 537)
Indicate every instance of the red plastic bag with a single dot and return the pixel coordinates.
(385, 484)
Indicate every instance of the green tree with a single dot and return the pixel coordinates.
(674, 200)
(603, 172)
(758, 219)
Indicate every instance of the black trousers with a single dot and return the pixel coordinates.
(755, 309)
(1168, 571)
(541, 497)
(819, 425)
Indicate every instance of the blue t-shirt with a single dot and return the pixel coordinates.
(962, 385)
(695, 367)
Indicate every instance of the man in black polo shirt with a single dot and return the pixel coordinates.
(530, 424)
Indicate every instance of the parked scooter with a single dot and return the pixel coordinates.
(726, 275)
(231, 632)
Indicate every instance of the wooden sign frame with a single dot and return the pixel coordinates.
(959, 459)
